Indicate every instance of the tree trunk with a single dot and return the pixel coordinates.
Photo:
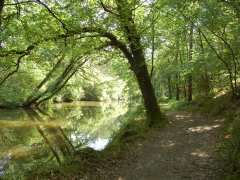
(153, 45)
(227, 66)
(1, 10)
(150, 102)
(190, 59)
(189, 97)
(177, 59)
(185, 90)
(205, 76)
(138, 62)
(169, 88)
(177, 88)
(139, 67)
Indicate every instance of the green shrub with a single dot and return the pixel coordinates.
(230, 148)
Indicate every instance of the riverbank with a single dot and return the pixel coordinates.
(200, 142)
(189, 139)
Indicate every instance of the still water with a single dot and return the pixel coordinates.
(30, 139)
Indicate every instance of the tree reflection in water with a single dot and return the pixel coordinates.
(47, 138)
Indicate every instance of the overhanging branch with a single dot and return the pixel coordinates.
(14, 71)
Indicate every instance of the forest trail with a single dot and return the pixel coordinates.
(184, 149)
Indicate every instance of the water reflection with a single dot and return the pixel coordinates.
(99, 144)
(30, 139)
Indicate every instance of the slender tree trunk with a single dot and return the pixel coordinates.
(190, 59)
(153, 46)
(177, 59)
(189, 97)
(177, 88)
(185, 90)
(205, 79)
(227, 66)
(31, 99)
(1, 10)
(169, 88)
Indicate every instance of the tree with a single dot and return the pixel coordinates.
(125, 37)
(190, 53)
(137, 60)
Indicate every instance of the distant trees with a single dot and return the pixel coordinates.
(207, 46)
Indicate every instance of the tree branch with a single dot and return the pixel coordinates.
(53, 14)
(107, 9)
(42, 4)
(14, 71)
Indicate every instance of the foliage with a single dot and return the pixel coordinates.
(141, 52)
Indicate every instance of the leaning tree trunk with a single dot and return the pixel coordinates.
(150, 101)
(138, 61)
(139, 67)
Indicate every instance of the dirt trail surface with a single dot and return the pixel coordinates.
(184, 149)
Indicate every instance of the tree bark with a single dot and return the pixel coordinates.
(185, 90)
(169, 87)
(150, 102)
(138, 62)
(177, 59)
(189, 88)
(205, 76)
(190, 79)
(1, 10)
(177, 88)
(153, 45)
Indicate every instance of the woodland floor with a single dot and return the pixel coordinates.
(185, 149)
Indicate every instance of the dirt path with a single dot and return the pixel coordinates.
(184, 149)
